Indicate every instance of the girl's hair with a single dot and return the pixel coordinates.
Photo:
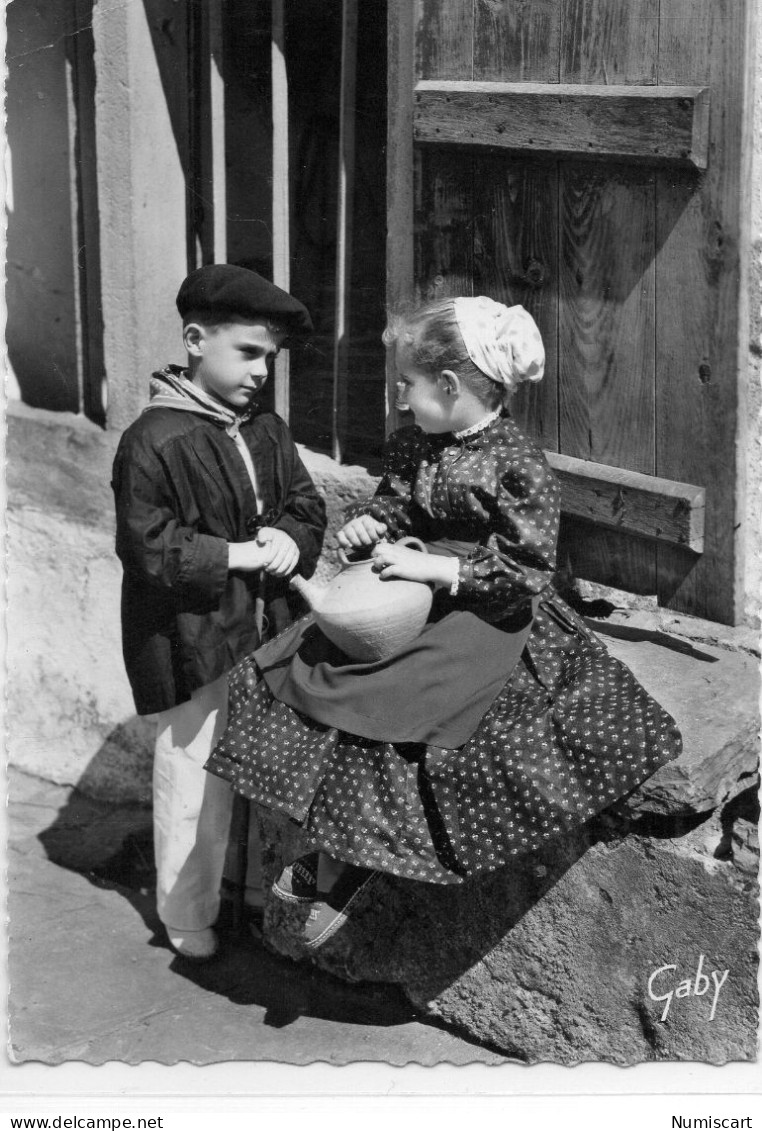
(431, 336)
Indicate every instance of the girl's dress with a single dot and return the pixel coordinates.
(568, 732)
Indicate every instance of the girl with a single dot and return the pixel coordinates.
(530, 728)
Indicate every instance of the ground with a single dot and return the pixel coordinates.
(93, 979)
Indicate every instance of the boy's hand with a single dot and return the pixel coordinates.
(392, 560)
(359, 532)
(282, 552)
(247, 556)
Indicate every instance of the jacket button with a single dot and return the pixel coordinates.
(252, 525)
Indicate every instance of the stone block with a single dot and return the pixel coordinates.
(713, 694)
(551, 959)
(71, 718)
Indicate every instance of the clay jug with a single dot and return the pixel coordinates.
(369, 619)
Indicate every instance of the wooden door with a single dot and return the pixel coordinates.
(586, 159)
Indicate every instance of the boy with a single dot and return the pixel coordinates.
(214, 510)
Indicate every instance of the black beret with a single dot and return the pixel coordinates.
(222, 288)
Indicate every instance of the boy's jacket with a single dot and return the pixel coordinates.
(182, 493)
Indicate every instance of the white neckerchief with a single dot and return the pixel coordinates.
(172, 388)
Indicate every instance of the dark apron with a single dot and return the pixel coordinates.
(435, 690)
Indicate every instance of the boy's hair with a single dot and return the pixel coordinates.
(431, 336)
(217, 319)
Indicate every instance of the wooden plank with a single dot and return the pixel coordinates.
(444, 243)
(87, 253)
(517, 43)
(344, 224)
(444, 201)
(432, 223)
(630, 502)
(218, 175)
(606, 345)
(515, 261)
(399, 176)
(207, 180)
(607, 304)
(281, 209)
(699, 273)
(194, 250)
(607, 316)
(635, 122)
(516, 206)
(610, 43)
(607, 557)
(444, 38)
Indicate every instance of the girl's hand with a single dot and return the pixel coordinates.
(392, 560)
(359, 532)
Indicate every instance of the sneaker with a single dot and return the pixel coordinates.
(297, 883)
(331, 911)
(195, 946)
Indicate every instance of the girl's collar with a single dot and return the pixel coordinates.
(480, 426)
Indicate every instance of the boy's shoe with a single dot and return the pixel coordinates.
(297, 883)
(195, 946)
(331, 911)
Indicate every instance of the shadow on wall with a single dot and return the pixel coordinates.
(122, 766)
(41, 307)
(54, 309)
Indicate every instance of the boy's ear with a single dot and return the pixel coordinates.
(449, 382)
(193, 338)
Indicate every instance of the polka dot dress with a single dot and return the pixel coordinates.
(570, 733)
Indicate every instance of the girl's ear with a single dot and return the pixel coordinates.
(193, 339)
(449, 382)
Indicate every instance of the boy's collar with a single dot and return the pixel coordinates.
(171, 387)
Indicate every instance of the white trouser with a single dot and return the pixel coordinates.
(191, 810)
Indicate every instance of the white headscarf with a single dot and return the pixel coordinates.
(502, 341)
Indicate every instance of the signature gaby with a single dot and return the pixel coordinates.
(697, 986)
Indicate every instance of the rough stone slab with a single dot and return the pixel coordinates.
(550, 960)
(71, 457)
(340, 485)
(713, 694)
(70, 712)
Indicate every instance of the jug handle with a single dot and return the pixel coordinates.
(345, 561)
(409, 540)
(413, 543)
